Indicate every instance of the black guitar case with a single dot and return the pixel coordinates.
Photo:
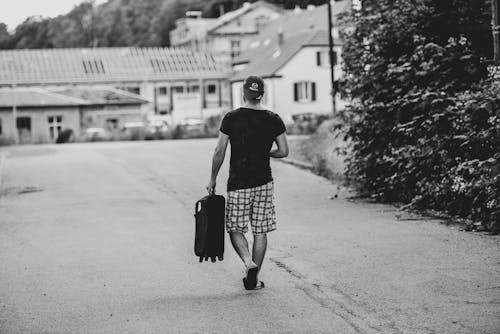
(209, 236)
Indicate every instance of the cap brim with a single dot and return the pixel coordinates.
(250, 94)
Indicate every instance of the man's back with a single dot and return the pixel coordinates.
(251, 133)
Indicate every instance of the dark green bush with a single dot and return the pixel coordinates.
(425, 121)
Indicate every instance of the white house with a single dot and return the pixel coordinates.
(296, 75)
(228, 35)
(291, 55)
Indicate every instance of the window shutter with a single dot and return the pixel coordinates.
(334, 56)
(318, 58)
(313, 91)
(295, 92)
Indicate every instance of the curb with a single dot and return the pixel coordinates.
(297, 163)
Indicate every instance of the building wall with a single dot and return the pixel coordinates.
(220, 45)
(165, 105)
(303, 67)
(216, 97)
(40, 132)
(110, 118)
(188, 29)
(279, 96)
(193, 33)
(249, 22)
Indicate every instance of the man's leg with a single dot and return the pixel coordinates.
(240, 245)
(259, 248)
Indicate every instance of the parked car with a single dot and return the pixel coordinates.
(157, 129)
(96, 134)
(192, 128)
(135, 130)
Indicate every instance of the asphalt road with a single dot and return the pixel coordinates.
(98, 238)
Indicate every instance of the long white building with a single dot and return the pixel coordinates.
(176, 83)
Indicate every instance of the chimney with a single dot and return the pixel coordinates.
(281, 37)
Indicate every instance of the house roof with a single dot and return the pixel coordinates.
(271, 58)
(38, 97)
(104, 65)
(101, 96)
(232, 15)
(292, 23)
(300, 28)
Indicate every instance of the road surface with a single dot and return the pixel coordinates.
(98, 238)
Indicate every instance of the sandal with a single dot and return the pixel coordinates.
(250, 281)
(258, 286)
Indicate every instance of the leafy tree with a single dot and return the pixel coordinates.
(4, 36)
(32, 33)
(73, 29)
(409, 119)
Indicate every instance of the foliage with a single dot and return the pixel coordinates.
(321, 150)
(117, 23)
(425, 124)
(305, 124)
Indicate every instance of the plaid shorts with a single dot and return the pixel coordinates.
(254, 205)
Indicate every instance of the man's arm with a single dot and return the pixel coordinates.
(217, 160)
(282, 150)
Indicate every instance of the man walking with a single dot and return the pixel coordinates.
(252, 130)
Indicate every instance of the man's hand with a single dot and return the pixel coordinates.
(218, 158)
(211, 187)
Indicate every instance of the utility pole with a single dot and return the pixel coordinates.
(330, 54)
(14, 115)
(495, 24)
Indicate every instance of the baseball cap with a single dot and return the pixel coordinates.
(253, 88)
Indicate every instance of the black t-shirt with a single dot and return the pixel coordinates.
(251, 134)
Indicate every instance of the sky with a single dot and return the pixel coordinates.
(13, 12)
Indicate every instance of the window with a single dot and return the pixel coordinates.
(323, 58)
(179, 89)
(93, 66)
(23, 123)
(211, 89)
(0, 126)
(112, 123)
(194, 89)
(55, 125)
(260, 22)
(159, 65)
(162, 91)
(235, 48)
(133, 90)
(304, 91)
(23, 126)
